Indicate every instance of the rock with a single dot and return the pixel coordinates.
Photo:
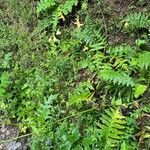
(8, 133)
(3, 129)
(1, 146)
(2, 136)
(13, 145)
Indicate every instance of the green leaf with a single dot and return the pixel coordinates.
(144, 60)
(112, 128)
(116, 77)
(81, 93)
(139, 90)
(6, 60)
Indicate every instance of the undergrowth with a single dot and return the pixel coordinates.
(64, 81)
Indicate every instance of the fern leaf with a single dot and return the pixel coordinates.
(112, 128)
(67, 6)
(81, 93)
(126, 146)
(62, 9)
(116, 77)
(101, 44)
(144, 60)
(121, 50)
(136, 21)
(120, 63)
(89, 34)
(45, 4)
(139, 90)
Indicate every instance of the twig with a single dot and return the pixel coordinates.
(15, 138)
(119, 5)
(105, 25)
(77, 114)
(57, 121)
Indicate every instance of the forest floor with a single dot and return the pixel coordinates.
(111, 16)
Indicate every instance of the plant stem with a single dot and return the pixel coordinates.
(25, 135)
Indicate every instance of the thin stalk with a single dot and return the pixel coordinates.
(57, 121)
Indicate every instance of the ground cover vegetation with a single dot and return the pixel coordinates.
(76, 73)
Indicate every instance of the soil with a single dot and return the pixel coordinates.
(10, 132)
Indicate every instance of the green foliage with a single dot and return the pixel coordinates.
(6, 60)
(45, 4)
(90, 35)
(144, 61)
(139, 90)
(68, 139)
(116, 77)
(60, 10)
(64, 68)
(81, 93)
(136, 21)
(4, 83)
(112, 128)
(122, 50)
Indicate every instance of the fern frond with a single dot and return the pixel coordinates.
(139, 90)
(137, 21)
(88, 33)
(90, 36)
(101, 44)
(121, 50)
(62, 9)
(116, 77)
(81, 93)
(144, 60)
(67, 6)
(121, 63)
(45, 4)
(112, 128)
